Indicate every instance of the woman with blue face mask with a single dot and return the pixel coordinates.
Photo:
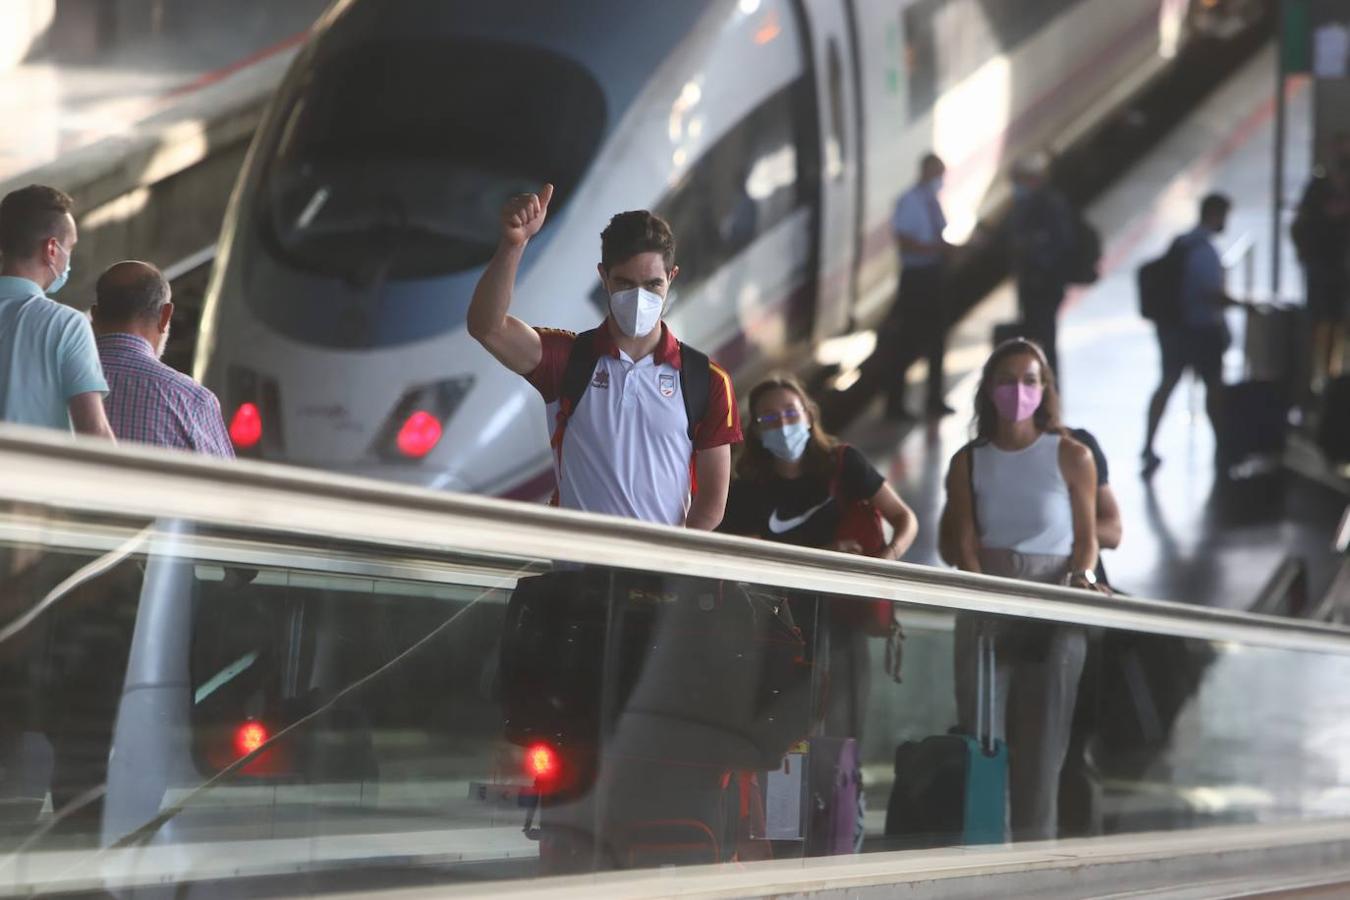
(794, 481)
(795, 484)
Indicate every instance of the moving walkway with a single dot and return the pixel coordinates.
(235, 679)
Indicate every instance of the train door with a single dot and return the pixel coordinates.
(830, 25)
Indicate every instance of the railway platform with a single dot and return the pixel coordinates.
(1190, 535)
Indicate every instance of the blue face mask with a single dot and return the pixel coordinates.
(787, 443)
(62, 278)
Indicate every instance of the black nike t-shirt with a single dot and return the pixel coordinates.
(798, 510)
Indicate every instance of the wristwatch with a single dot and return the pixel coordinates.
(1085, 575)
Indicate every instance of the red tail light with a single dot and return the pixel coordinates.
(246, 426)
(420, 433)
(229, 744)
(542, 763)
(249, 737)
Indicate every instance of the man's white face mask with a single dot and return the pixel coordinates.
(636, 311)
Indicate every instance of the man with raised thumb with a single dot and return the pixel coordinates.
(644, 423)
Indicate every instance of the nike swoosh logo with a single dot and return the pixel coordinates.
(783, 526)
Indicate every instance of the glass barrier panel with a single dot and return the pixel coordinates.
(243, 713)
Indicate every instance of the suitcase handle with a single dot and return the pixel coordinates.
(986, 678)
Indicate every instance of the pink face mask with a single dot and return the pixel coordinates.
(1017, 402)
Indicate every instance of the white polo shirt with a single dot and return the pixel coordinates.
(626, 450)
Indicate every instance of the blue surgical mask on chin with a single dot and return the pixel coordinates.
(61, 278)
(787, 443)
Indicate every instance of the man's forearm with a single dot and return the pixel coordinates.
(704, 516)
(492, 296)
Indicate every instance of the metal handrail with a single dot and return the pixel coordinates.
(84, 475)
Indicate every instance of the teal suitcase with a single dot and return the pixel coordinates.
(953, 788)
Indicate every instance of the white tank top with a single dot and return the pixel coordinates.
(1021, 498)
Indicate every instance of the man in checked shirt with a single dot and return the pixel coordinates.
(147, 401)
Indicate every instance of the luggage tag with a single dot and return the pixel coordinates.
(785, 797)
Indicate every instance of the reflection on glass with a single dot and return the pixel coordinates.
(236, 711)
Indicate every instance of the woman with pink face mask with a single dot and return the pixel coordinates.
(1023, 494)
(1022, 501)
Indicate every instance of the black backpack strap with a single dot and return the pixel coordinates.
(581, 361)
(695, 383)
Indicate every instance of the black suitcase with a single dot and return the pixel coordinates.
(1275, 346)
(1333, 431)
(1254, 421)
(722, 665)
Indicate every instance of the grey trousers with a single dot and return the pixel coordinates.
(1037, 669)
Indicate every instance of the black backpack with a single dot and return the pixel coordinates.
(1086, 256)
(695, 379)
(695, 670)
(1159, 283)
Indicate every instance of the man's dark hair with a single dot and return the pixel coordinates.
(28, 217)
(1215, 205)
(631, 233)
(129, 292)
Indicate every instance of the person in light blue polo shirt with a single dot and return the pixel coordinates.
(917, 323)
(50, 375)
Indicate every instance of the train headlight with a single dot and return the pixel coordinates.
(254, 410)
(246, 426)
(419, 434)
(418, 420)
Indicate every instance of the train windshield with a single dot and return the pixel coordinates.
(394, 159)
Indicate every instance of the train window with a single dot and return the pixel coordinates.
(395, 159)
(946, 41)
(744, 185)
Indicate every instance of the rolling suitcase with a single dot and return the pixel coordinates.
(1274, 346)
(706, 672)
(953, 788)
(834, 797)
(1255, 421)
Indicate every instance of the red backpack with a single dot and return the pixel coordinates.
(860, 521)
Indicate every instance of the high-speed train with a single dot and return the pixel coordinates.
(775, 135)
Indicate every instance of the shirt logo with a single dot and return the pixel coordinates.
(783, 526)
(601, 379)
(666, 383)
